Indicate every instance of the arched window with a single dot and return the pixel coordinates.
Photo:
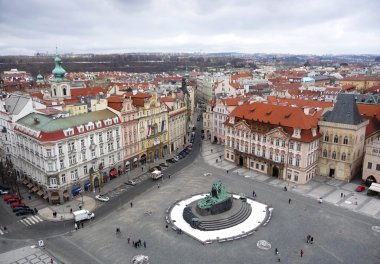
(333, 156)
(336, 139)
(343, 156)
(55, 92)
(324, 153)
(64, 91)
(345, 140)
(326, 137)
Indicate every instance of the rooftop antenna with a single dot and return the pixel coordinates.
(56, 49)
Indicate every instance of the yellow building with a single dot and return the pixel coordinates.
(343, 137)
(361, 82)
(76, 109)
(152, 127)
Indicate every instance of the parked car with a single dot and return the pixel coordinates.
(17, 204)
(2, 192)
(18, 208)
(176, 158)
(25, 212)
(102, 197)
(10, 196)
(164, 164)
(171, 160)
(12, 200)
(131, 182)
(360, 188)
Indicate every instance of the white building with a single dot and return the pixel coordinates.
(58, 158)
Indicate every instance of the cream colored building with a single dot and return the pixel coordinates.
(342, 142)
(152, 129)
(371, 164)
(76, 109)
(279, 141)
(208, 119)
(177, 122)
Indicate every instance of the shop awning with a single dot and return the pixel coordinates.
(25, 182)
(87, 184)
(113, 173)
(55, 198)
(76, 190)
(39, 193)
(66, 195)
(34, 189)
(30, 185)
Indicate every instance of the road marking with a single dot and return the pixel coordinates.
(1, 232)
(31, 220)
(36, 216)
(24, 222)
(35, 219)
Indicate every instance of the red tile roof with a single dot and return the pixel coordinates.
(167, 99)
(240, 76)
(274, 114)
(233, 101)
(86, 91)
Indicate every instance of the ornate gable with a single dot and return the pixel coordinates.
(242, 126)
(277, 132)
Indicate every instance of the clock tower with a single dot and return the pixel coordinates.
(60, 86)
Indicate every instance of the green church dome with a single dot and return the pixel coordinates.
(40, 78)
(59, 72)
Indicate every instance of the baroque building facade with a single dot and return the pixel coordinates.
(275, 140)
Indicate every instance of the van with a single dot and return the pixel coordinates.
(156, 175)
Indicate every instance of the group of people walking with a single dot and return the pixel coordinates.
(77, 225)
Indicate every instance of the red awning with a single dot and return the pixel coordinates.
(113, 173)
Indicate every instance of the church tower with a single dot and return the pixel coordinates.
(60, 86)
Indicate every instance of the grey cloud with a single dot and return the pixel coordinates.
(174, 25)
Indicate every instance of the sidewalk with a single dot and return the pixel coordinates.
(337, 192)
(87, 201)
(26, 255)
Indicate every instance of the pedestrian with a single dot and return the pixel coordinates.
(227, 171)
(131, 204)
(276, 251)
(30, 197)
(51, 260)
(290, 200)
(279, 260)
(216, 160)
(144, 244)
(158, 185)
(5, 228)
(169, 176)
(82, 225)
(311, 240)
(76, 226)
(133, 243)
(211, 150)
(142, 168)
(220, 157)
(71, 210)
(167, 227)
(308, 239)
(129, 239)
(341, 195)
(301, 253)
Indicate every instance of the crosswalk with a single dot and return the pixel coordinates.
(31, 220)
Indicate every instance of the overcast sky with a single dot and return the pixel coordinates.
(251, 26)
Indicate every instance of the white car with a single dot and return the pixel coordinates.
(102, 197)
(131, 182)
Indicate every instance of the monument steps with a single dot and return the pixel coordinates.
(217, 224)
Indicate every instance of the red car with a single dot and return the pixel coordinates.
(12, 200)
(10, 196)
(18, 203)
(360, 188)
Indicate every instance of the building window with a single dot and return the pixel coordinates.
(343, 156)
(257, 165)
(378, 167)
(297, 162)
(252, 164)
(85, 170)
(82, 143)
(72, 160)
(93, 153)
(232, 156)
(60, 151)
(289, 175)
(291, 160)
(53, 181)
(270, 155)
(336, 139)
(282, 158)
(72, 173)
(327, 138)
(50, 167)
(228, 155)
(295, 177)
(291, 145)
(325, 153)
(48, 152)
(277, 142)
(262, 167)
(333, 156)
(84, 156)
(61, 164)
(369, 165)
(345, 140)
(298, 146)
(63, 178)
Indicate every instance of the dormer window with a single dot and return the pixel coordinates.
(68, 132)
(81, 129)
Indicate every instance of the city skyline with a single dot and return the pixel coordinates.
(287, 27)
